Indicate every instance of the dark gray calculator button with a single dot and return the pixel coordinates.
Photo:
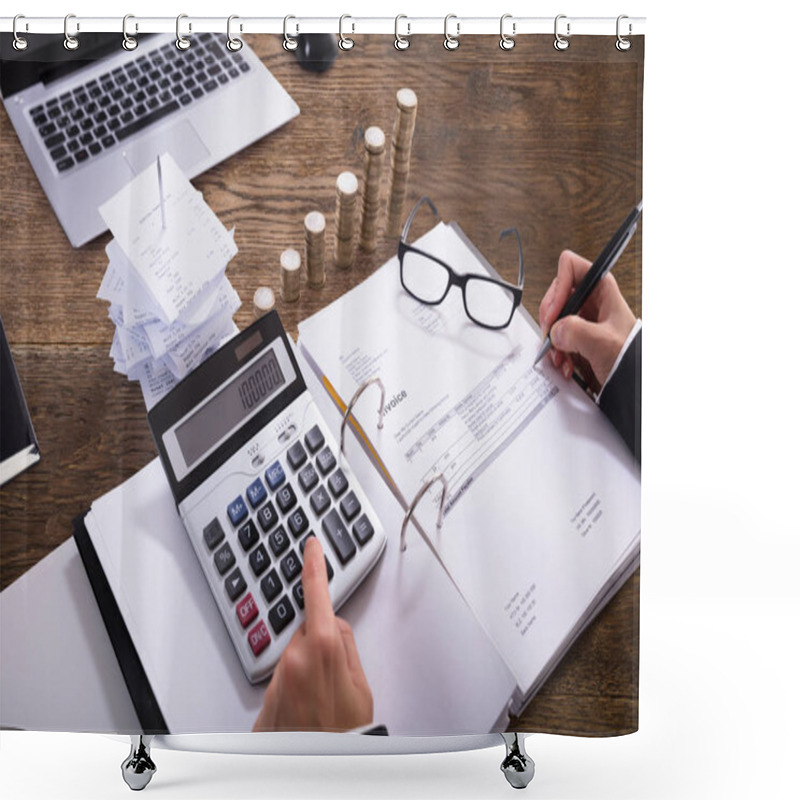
(267, 517)
(363, 529)
(299, 597)
(248, 535)
(213, 533)
(328, 566)
(291, 567)
(338, 537)
(308, 478)
(351, 508)
(286, 498)
(296, 456)
(314, 439)
(259, 560)
(278, 541)
(271, 586)
(303, 543)
(235, 584)
(325, 461)
(337, 483)
(224, 558)
(320, 500)
(298, 522)
(281, 614)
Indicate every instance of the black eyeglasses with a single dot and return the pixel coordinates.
(488, 302)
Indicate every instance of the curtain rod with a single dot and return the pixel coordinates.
(564, 25)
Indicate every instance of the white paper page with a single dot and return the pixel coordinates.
(156, 380)
(50, 632)
(174, 263)
(221, 299)
(522, 450)
(190, 352)
(120, 286)
(431, 668)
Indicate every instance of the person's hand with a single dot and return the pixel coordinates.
(595, 336)
(319, 683)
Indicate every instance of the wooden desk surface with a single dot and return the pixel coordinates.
(550, 142)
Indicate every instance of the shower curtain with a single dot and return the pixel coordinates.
(149, 219)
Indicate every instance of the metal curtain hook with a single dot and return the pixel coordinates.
(289, 43)
(623, 44)
(234, 43)
(129, 42)
(181, 42)
(451, 42)
(19, 42)
(507, 42)
(345, 43)
(561, 43)
(417, 498)
(401, 42)
(70, 42)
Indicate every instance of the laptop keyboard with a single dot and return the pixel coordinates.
(86, 121)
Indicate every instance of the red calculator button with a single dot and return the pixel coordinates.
(247, 610)
(258, 637)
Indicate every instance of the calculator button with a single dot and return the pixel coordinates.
(259, 560)
(338, 537)
(308, 478)
(281, 614)
(224, 558)
(248, 535)
(296, 456)
(278, 541)
(213, 533)
(325, 461)
(275, 476)
(247, 610)
(303, 543)
(237, 511)
(271, 586)
(314, 439)
(299, 597)
(328, 566)
(298, 522)
(290, 567)
(258, 637)
(286, 498)
(337, 483)
(267, 517)
(363, 529)
(350, 506)
(320, 500)
(235, 584)
(256, 493)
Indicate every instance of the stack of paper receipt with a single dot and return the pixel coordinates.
(170, 300)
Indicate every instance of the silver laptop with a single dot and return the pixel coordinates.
(92, 119)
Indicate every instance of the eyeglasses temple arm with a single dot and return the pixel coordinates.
(521, 278)
(407, 226)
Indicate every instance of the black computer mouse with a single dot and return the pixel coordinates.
(316, 52)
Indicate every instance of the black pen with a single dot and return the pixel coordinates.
(607, 258)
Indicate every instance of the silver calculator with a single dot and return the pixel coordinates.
(255, 471)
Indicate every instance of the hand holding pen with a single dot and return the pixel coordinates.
(596, 335)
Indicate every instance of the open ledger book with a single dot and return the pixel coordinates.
(542, 524)
(542, 513)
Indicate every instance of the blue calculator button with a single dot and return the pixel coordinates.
(237, 511)
(256, 493)
(275, 476)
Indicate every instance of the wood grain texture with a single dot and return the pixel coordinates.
(549, 142)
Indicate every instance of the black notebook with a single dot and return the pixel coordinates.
(18, 446)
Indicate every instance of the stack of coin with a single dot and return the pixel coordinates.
(290, 276)
(346, 213)
(401, 158)
(374, 154)
(315, 249)
(263, 301)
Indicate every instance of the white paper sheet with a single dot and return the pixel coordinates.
(544, 497)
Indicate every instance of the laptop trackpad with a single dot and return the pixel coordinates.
(180, 140)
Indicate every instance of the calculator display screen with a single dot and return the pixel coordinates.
(247, 392)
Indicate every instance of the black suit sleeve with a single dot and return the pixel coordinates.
(621, 399)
